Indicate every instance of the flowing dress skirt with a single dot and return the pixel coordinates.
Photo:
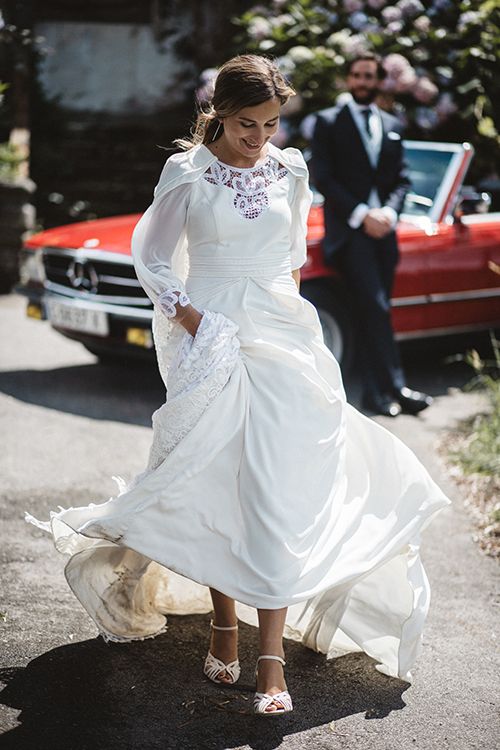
(264, 484)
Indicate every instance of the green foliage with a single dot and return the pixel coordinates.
(481, 453)
(450, 89)
(11, 158)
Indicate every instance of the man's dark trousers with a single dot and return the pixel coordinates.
(369, 265)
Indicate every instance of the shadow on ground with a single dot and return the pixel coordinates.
(151, 694)
(130, 391)
(127, 392)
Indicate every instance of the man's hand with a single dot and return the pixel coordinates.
(376, 223)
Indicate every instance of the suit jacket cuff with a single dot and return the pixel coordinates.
(357, 217)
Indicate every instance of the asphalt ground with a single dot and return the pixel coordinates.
(69, 424)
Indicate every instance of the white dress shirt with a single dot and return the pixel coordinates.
(372, 145)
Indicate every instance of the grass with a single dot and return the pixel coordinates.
(481, 454)
(474, 449)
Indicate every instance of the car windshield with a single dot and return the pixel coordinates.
(427, 169)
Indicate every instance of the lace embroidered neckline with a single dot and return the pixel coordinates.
(250, 185)
(244, 169)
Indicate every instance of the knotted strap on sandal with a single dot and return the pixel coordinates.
(262, 701)
(214, 668)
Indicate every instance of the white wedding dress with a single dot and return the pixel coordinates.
(262, 481)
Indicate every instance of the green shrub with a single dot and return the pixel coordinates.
(481, 451)
(11, 157)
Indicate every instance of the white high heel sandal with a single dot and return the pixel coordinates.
(213, 666)
(262, 701)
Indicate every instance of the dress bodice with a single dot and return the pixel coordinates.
(240, 215)
(209, 220)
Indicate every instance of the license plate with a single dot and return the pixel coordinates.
(76, 318)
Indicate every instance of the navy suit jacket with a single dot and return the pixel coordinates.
(342, 171)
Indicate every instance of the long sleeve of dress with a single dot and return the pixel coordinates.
(157, 237)
(301, 205)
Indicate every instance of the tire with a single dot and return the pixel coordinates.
(333, 312)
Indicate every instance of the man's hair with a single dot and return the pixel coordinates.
(372, 57)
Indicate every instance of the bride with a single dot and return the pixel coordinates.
(264, 487)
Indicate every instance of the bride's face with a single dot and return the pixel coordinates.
(250, 129)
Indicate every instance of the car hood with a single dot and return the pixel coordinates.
(112, 235)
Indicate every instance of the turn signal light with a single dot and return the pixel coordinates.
(140, 337)
(34, 311)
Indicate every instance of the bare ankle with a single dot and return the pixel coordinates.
(272, 648)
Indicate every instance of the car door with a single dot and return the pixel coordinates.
(434, 170)
(465, 266)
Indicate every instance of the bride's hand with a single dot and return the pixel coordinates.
(189, 318)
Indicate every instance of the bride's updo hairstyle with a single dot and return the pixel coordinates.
(243, 81)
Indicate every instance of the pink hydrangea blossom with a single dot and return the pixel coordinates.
(259, 28)
(389, 84)
(422, 23)
(376, 4)
(351, 6)
(395, 64)
(406, 80)
(401, 77)
(355, 45)
(391, 14)
(410, 8)
(425, 91)
(394, 27)
(349, 44)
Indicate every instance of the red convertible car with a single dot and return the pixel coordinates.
(81, 278)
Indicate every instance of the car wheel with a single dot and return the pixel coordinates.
(335, 320)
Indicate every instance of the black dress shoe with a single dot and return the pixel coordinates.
(412, 402)
(386, 406)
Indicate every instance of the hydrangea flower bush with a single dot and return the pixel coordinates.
(441, 58)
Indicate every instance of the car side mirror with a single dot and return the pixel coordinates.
(471, 201)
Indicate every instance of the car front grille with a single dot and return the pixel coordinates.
(97, 274)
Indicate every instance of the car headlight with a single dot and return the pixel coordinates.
(31, 270)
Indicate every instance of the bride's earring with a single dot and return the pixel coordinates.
(217, 131)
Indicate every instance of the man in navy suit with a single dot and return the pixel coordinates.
(358, 165)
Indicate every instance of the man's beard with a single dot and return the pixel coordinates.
(367, 98)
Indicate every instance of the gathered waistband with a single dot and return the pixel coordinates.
(235, 267)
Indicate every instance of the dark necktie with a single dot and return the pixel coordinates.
(366, 112)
